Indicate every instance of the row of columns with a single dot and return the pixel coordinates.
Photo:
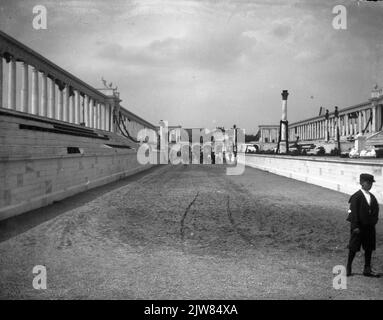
(269, 134)
(326, 129)
(69, 106)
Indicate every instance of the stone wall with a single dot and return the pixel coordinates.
(333, 173)
(37, 168)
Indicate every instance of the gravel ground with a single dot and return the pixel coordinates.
(190, 232)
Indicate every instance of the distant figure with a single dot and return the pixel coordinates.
(363, 216)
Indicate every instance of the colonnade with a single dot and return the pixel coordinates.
(44, 95)
(363, 120)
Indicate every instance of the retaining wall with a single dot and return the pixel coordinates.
(36, 168)
(337, 174)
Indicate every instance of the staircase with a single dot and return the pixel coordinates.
(375, 140)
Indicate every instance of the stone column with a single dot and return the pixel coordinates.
(373, 117)
(98, 115)
(283, 146)
(66, 103)
(44, 95)
(106, 117)
(364, 113)
(71, 117)
(35, 92)
(86, 110)
(91, 113)
(24, 88)
(1, 81)
(12, 84)
(78, 114)
(360, 122)
(60, 111)
(346, 124)
(52, 100)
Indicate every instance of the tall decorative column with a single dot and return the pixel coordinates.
(99, 115)
(71, 116)
(86, 110)
(78, 114)
(1, 81)
(360, 122)
(91, 113)
(12, 84)
(66, 104)
(346, 122)
(283, 143)
(52, 99)
(60, 104)
(364, 113)
(374, 104)
(24, 88)
(35, 92)
(44, 95)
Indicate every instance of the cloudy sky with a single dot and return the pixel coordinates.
(210, 63)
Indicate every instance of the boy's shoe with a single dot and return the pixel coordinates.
(369, 273)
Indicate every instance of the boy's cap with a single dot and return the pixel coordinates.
(366, 177)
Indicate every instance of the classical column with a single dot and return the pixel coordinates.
(12, 84)
(360, 122)
(66, 104)
(364, 113)
(78, 114)
(91, 113)
(44, 95)
(346, 124)
(283, 147)
(108, 113)
(86, 110)
(1, 81)
(24, 88)
(99, 115)
(35, 108)
(60, 104)
(52, 99)
(72, 114)
(373, 117)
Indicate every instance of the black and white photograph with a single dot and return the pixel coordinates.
(201, 151)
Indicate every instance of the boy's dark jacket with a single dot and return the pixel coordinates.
(361, 213)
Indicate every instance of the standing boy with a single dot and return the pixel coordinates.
(363, 215)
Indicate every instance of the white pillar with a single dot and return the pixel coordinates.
(35, 92)
(60, 112)
(364, 118)
(52, 100)
(24, 88)
(99, 112)
(1, 81)
(71, 109)
(360, 122)
(66, 103)
(91, 113)
(86, 110)
(44, 95)
(12, 84)
(78, 115)
(346, 122)
(373, 118)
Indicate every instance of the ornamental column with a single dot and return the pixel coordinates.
(78, 114)
(52, 99)
(12, 84)
(35, 92)
(24, 88)
(44, 95)
(283, 145)
(1, 81)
